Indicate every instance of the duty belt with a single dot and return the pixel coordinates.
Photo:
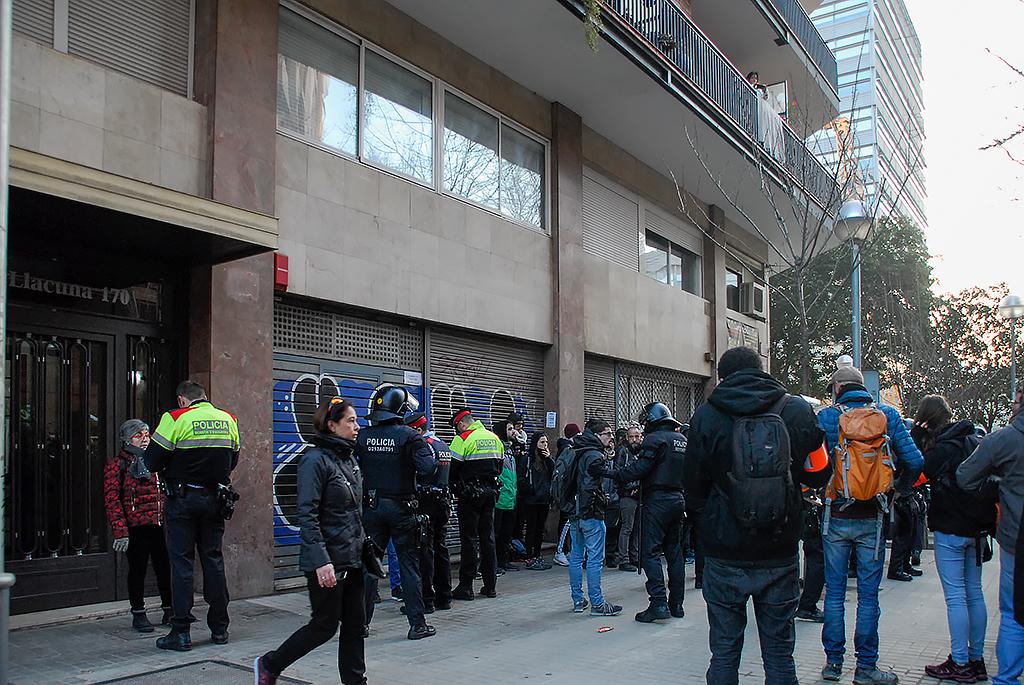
(431, 490)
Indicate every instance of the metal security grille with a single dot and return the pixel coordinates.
(34, 18)
(598, 388)
(610, 222)
(640, 385)
(490, 376)
(338, 336)
(147, 39)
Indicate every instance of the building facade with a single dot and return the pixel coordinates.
(879, 63)
(294, 201)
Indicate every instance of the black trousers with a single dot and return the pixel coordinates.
(661, 522)
(536, 518)
(145, 544)
(396, 520)
(435, 561)
(814, 563)
(504, 525)
(693, 540)
(612, 524)
(331, 606)
(904, 536)
(194, 524)
(476, 535)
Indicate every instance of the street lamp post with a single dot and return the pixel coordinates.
(855, 224)
(1012, 308)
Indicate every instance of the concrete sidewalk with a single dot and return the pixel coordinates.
(528, 633)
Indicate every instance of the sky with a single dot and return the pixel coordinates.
(975, 203)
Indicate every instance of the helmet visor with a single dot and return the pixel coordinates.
(411, 403)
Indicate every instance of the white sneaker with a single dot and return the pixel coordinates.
(561, 559)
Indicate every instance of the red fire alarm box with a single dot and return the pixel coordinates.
(280, 271)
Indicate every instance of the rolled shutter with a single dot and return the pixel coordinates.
(599, 389)
(610, 223)
(146, 39)
(34, 18)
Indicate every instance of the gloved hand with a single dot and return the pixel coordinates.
(121, 545)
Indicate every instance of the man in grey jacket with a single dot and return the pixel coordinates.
(1002, 455)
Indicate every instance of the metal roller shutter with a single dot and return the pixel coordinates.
(599, 388)
(674, 229)
(490, 376)
(639, 385)
(34, 18)
(147, 39)
(610, 222)
(319, 355)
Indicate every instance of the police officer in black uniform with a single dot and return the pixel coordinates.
(391, 456)
(659, 468)
(432, 494)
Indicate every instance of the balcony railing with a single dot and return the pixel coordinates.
(664, 28)
(808, 35)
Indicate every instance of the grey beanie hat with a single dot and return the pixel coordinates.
(130, 428)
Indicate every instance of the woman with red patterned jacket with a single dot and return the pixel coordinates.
(135, 509)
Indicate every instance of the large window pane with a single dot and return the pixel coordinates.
(399, 131)
(522, 178)
(317, 83)
(689, 269)
(470, 151)
(655, 258)
(733, 281)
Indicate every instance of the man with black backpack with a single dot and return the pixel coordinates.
(749, 449)
(867, 443)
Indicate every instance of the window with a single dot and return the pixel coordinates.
(317, 84)
(398, 116)
(482, 157)
(471, 166)
(733, 281)
(668, 263)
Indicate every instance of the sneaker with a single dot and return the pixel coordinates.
(951, 670)
(813, 615)
(498, 572)
(509, 568)
(580, 606)
(219, 638)
(915, 572)
(561, 559)
(606, 609)
(397, 594)
(421, 631)
(980, 672)
(261, 676)
(538, 564)
(873, 676)
(629, 568)
(832, 672)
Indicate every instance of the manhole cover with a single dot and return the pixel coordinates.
(196, 673)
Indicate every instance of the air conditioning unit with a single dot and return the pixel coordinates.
(754, 300)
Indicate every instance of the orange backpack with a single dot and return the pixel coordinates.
(863, 461)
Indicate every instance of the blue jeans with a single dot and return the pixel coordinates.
(957, 564)
(846, 537)
(1010, 644)
(728, 586)
(587, 538)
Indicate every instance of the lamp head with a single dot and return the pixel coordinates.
(854, 222)
(1012, 307)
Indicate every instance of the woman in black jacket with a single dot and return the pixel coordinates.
(961, 521)
(536, 497)
(330, 496)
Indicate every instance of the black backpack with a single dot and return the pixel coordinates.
(564, 479)
(761, 490)
(978, 506)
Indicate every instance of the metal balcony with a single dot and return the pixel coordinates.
(660, 28)
(807, 34)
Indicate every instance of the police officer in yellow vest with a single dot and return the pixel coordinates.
(195, 448)
(477, 457)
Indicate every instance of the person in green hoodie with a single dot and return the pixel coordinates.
(505, 508)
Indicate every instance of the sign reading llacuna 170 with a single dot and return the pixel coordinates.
(27, 281)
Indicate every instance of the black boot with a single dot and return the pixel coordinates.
(140, 622)
(676, 610)
(176, 641)
(896, 572)
(168, 615)
(655, 612)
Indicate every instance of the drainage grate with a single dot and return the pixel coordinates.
(196, 673)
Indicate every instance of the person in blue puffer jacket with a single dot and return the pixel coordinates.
(854, 529)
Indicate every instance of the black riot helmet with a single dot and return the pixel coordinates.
(654, 414)
(391, 402)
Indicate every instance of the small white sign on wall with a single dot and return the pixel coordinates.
(413, 378)
(551, 420)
